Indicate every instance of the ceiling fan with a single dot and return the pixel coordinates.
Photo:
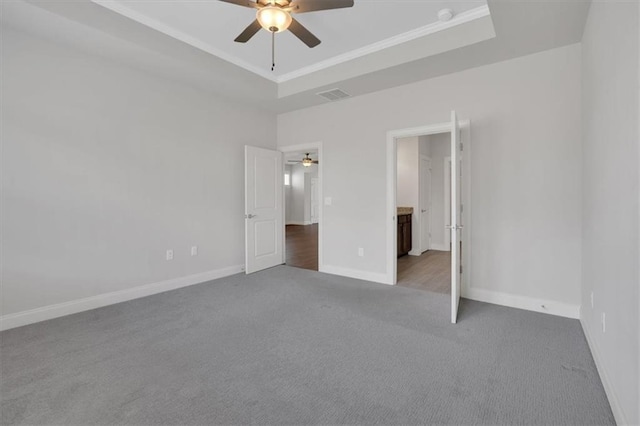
(275, 16)
(306, 161)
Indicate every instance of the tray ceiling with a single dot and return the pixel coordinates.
(473, 38)
(370, 26)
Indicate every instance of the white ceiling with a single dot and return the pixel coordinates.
(513, 28)
(369, 25)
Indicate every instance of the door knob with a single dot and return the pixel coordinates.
(423, 210)
(250, 216)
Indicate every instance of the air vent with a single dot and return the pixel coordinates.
(334, 95)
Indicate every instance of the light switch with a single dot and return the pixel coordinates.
(327, 201)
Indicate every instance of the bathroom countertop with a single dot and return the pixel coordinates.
(404, 210)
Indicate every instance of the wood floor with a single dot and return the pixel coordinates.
(431, 271)
(302, 246)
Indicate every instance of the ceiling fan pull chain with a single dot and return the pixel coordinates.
(273, 50)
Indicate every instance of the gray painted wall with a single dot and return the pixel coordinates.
(105, 167)
(526, 162)
(610, 197)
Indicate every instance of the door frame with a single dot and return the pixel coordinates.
(421, 172)
(392, 165)
(447, 200)
(301, 147)
(317, 188)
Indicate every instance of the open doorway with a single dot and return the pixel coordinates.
(408, 225)
(423, 190)
(302, 184)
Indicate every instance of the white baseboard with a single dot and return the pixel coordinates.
(354, 273)
(618, 414)
(440, 247)
(297, 222)
(44, 313)
(522, 302)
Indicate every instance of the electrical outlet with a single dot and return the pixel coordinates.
(194, 250)
(591, 300)
(604, 323)
(327, 201)
(360, 252)
(169, 254)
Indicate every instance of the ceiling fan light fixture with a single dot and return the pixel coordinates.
(273, 18)
(307, 161)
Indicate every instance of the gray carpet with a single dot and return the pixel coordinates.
(289, 346)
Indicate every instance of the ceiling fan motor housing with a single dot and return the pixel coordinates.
(275, 16)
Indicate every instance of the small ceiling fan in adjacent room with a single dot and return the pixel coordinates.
(306, 161)
(275, 16)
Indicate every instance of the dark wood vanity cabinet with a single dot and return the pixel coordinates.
(404, 234)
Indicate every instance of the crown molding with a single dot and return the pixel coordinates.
(118, 7)
(462, 18)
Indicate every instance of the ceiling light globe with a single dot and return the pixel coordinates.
(273, 19)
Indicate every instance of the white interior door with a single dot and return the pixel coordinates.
(456, 217)
(314, 200)
(447, 201)
(425, 203)
(263, 180)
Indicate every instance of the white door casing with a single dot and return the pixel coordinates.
(425, 203)
(391, 231)
(456, 217)
(315, 200)
(447, 201)
(264, 208)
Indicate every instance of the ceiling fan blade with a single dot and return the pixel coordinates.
(303, 34)
(304, 6)
(249, 32)
(245, 3)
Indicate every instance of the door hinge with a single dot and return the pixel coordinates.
(461, 147)
(461, 208)
(460, 269)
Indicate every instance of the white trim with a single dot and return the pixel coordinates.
(80, 305)
(614, 401)
(118, 7)
(314, 181)
(447, 201)
(521, 302)
(421, 172)
(298, 222)
(357, 274)
(462, 18)
(467, 189)
(392, 135)
(440, 247)
(318, 147)
(415, 252)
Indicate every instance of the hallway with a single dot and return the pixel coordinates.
(302, 246)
